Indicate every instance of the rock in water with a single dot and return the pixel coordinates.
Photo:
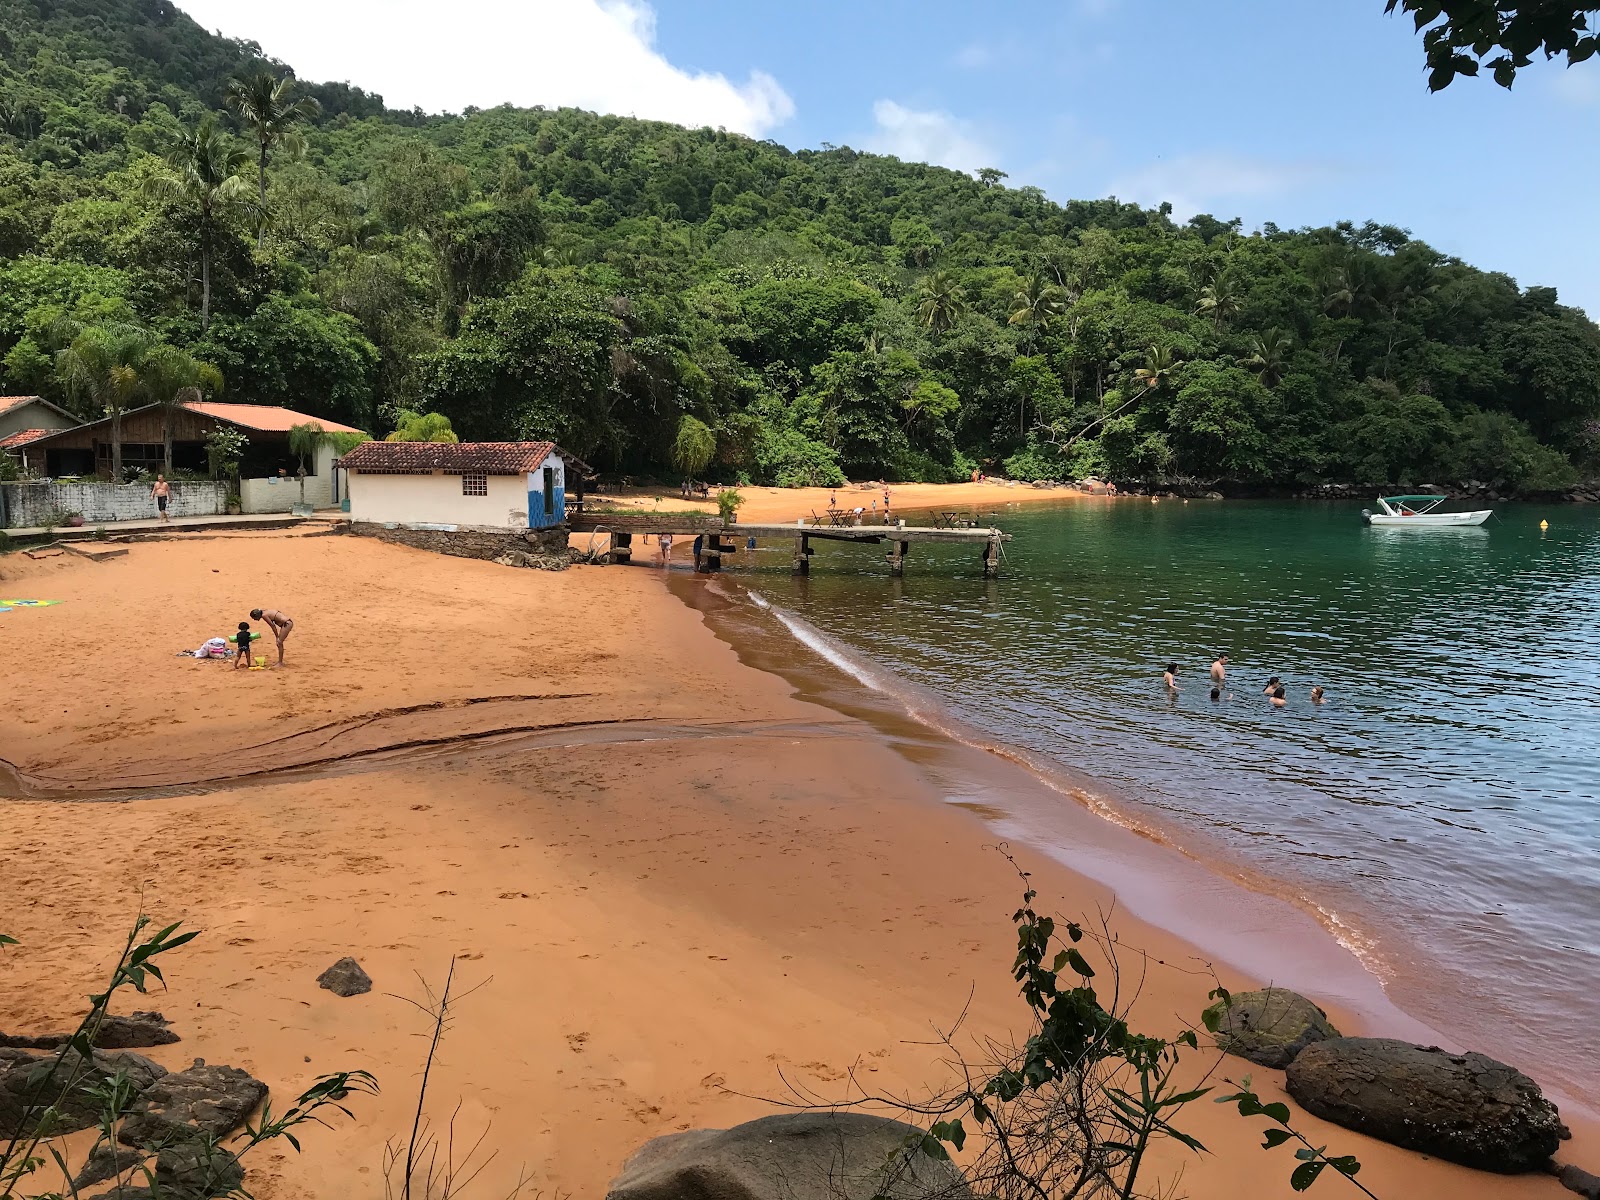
(800, 1156)
(346, 978)
(32, 1083)
(186, 1104)
(1466, 1108)
(1270, 1027)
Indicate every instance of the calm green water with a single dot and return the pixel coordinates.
(1442, 810)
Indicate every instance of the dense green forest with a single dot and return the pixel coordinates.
(627, 286)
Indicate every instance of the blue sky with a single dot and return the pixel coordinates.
(1293, 111)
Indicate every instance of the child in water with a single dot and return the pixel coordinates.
(1170, 677)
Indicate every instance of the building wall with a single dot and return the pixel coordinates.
(28, 505)
(540, 514)
(32, 416)
(437, 500)
(274, 494)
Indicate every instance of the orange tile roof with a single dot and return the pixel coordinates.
(266, 417)
(23, 436)
(478, 458)
(7, 403)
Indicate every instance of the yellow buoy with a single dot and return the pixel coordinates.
(1544, 524)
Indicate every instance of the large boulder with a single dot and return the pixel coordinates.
(189, 1104)
(346, 978)
(135, 1031)
(799, 1156)
(1466, 1108)
(31, 1084)
(1269, 1027)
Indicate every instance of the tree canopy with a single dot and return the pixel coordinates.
(651, 295)
(1460, 35)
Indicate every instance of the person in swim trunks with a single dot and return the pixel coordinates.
(160, 491)
(280, 625)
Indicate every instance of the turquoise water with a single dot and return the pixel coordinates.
(1441, 812)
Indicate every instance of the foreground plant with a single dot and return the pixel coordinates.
(68, 1076)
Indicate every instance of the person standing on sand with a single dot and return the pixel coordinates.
(280, 625)
(1219, 671)
(160, 492)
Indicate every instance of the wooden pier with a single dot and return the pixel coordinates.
(624, 527)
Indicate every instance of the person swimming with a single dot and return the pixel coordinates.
(1318, 696)
(1216, 693)
(1170, 677)
(1272, 684)
(1278, 698)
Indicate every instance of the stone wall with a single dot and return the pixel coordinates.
(28, 505)
(544, 549)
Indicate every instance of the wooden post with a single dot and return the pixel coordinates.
(897, 557)
(802, 555)
(713, 553)
(621, 547)
(991, 558)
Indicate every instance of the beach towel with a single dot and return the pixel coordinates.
(7, 605)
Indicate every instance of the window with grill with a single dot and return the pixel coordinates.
(474, 485)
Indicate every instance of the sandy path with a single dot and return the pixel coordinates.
(762, 890)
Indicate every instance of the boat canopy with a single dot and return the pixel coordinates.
(1396, 499)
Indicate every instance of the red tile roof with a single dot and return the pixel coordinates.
(7, 403)
(266, 417)
(23, 436)
(454, 458)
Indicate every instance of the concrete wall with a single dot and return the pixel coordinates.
(32, 504)
(281, 494)
(437, 500)
(543, 549)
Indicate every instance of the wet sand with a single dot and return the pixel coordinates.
(677, 887)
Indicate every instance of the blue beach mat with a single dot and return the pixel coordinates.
(7, 605)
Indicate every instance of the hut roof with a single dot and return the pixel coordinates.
(455, 458)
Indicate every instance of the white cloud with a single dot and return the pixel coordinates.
(1195, 183)
(927, 136)
(597, 54)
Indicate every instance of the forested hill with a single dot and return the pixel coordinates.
(648, 294)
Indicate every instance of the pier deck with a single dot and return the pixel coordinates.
(624, 527)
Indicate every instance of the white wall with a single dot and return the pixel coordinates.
(265, 496)
(437, 500)
(29, 505)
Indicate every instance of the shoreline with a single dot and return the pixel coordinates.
(666, 923)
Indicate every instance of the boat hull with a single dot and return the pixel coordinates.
(1432, 520)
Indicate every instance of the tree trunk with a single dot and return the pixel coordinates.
(116, 446)
(261, 217)
(166, 439)
(205, 287)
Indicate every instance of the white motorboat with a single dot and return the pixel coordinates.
(1419, 512)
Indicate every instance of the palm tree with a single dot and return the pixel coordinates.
(100, 371)
(173, 378)
(1220, 300)
(1036, 303)
(1159, 364)
(943, 300)
(1270, 351)
(270, 114)
(203, 172)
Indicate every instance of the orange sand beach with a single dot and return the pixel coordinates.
(673, 886)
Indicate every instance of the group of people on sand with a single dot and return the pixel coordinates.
(280, 625)
(1275, 691)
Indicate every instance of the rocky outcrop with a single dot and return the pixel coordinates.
(30, 1084)
(346, 978)
(1466, 1108)
(1576, 1179)
(105, 1162)
(1269, 1027)
(132, 1032)
(190, 1104)
(800, 1156)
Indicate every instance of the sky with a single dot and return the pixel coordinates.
(1298, 112)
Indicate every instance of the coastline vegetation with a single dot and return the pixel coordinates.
(630, 287)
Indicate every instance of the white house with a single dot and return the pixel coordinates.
(488, 485)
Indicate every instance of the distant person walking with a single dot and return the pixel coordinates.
(161, 492)
(886, 520)
(665, 543)
(699, 549)
(280, 625)
(1219, 671)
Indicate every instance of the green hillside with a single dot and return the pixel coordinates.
(610, 282)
